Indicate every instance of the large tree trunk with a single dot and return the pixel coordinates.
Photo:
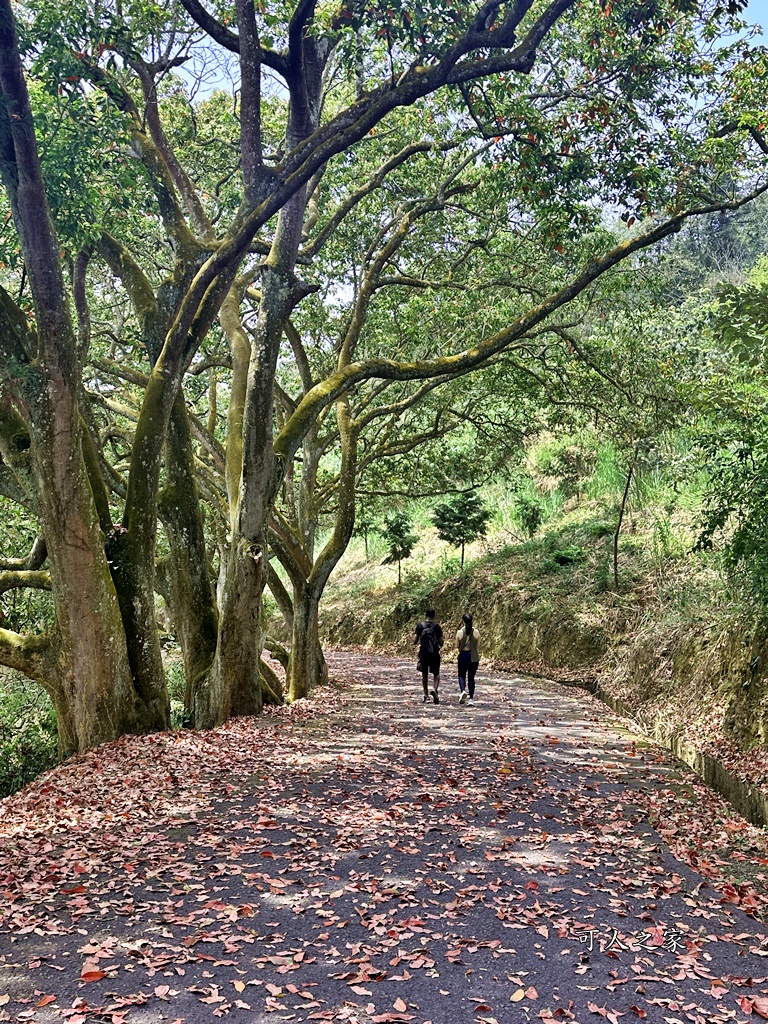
(93, 688)
(307, 667)
(92, 685)
(235, 680)
(191, 598)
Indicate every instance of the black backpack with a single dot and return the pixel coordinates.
(428, 644)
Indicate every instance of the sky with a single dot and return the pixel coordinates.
(757, 11)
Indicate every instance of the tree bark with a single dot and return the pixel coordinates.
(91, 683)
(307, 667)
(192, 603)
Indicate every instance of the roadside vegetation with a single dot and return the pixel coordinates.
(312, 275)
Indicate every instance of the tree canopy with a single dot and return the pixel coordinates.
(245, 253)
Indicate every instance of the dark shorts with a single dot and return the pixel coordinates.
(429, 663)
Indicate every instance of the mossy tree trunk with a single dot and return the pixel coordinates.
(254, 475)
(192, 601)
(91, 681)
(307, 667)
(235, 681)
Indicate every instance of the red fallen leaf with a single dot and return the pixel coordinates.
(76, 889)
(730, 895)
(92, 975)
(532, 885)
(483, 1008)
(745, 1003)
(399, 1005)
(639, 1011)
(44, 1000)
(80, 869)
(531, 993)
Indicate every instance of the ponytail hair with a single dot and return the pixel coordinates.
(467, 620)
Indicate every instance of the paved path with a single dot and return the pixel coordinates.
(391, 861)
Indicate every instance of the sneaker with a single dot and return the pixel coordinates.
(435, 698)
(463, 697)
(470, 701)
(426, 698)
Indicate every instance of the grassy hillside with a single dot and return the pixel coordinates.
(672, 641)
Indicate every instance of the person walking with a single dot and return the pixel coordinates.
(429, 637)
(468, 643)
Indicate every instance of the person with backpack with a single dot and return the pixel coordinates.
(429, 637)
(468, 643)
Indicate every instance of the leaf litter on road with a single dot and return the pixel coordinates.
(358, 857)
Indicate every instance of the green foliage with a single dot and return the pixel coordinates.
(461, 519)
(568, 458)
(529, 513)
(736, 503)
(174, 674)
(733, 436)
(567, 556)
(28, 742)
(397, 533)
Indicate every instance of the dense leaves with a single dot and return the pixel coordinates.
(461, 519)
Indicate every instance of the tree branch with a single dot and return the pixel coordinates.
(289, 438)
(229, 40)
(37, 555)
(153, 160)
(20, 579)
(178, 173)
(31, 655)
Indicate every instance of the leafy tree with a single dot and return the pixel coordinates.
(732, 434)
(397, 534)
(565, 105)
(461, 519)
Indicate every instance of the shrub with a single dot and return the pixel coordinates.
(28, 740)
